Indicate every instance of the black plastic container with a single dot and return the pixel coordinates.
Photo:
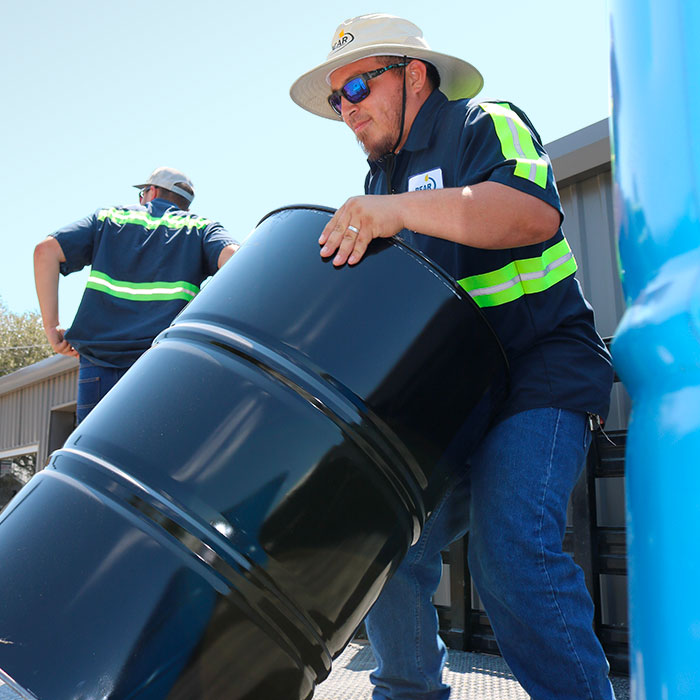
(221, 523)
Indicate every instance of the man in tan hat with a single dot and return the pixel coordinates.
(472, 188)
(148, 260)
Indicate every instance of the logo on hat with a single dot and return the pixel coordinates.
(344, 38)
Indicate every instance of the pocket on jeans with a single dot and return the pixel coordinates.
(88, 392)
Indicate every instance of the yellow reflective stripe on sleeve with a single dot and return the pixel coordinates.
(141, 291)
(142, 218)
(516, 143)
(520, 277)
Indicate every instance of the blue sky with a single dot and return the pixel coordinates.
(97, 94)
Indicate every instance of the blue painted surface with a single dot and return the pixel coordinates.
(655, 67)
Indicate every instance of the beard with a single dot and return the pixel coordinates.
(378, 147)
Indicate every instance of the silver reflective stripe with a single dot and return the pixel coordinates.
(174, 292)
(517, 143)
(523, 277)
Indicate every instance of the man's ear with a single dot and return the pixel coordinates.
(416, 72)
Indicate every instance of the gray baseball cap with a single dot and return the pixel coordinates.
(170, 179)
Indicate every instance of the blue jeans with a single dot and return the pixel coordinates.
(94, 381)
(512, 499)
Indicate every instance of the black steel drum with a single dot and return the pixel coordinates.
(221, 523)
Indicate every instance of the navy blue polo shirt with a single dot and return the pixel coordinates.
(529, 295)
(147, 263)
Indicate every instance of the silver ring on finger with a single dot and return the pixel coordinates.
(354, 229)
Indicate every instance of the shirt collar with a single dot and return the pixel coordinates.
(421, 129)
(424, 123)
(158, 206)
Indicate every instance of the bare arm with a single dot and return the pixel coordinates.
(227, 253)
(486, 215)
(48, 255)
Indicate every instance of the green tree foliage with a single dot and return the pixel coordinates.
(22, 339)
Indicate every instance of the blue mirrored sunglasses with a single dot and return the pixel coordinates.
(357, 88)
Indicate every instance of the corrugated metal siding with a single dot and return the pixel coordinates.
(589, 227)
(33, 405)
(587, 198)
(10, 411)
(64, 388)
(25, 413)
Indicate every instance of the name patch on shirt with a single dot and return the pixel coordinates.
(432, 180)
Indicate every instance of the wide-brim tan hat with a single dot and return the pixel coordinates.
(381, 35)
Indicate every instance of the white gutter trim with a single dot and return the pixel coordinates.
(15, 451)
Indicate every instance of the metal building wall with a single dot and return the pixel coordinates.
(10, 412)
(589, 229)
(27, 398)
(581, 163)
(582, 166)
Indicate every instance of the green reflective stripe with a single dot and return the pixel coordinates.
(142, 218)
(141, 291)
(527, 276)
(516, 143)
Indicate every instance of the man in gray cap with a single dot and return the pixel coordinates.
(148, 260)
(472, 188)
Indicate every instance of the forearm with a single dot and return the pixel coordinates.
(487, 215)
(46, 271)
(48, 256)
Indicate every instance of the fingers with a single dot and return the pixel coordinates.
(344, 239)
(353, 244)
(359, 249)
(356, 223)
(65, 348)
(345, 235)
(59, 343)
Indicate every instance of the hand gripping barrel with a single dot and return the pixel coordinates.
(222, 521)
